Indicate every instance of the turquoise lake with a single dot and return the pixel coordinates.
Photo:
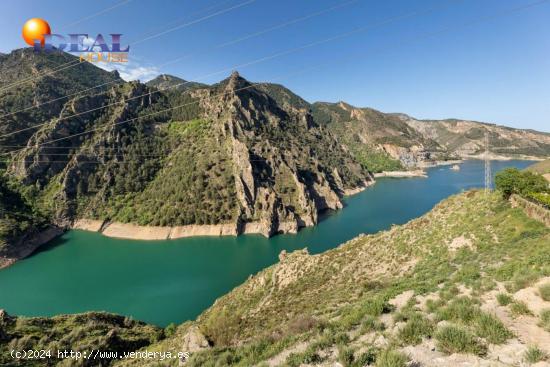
(172, 281)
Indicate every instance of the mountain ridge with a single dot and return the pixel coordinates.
(212, 155)
(249, 157)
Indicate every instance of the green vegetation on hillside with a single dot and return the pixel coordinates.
(82, 333)
(17, 217)
(371, 270)
(525, 183)
(195, 185)
(283, 96)
(374, 160)
(365, 131)
(341, 305)
(18, 65)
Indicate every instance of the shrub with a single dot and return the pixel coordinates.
(504, 299)
(433, 305)
(513, 181)
(371, 323)
(170, 330)
(544, 291)
(221, 327)
(519, 308)
(301, 324)
(491, 328)
(345, 356)
(461, 309)
(391, 358)
(376, 307)
(540, 197)
(415, 329)
(534, 355)
(367, 358)
(341, 338)
(451, 292)
(454, 339)
(524, 279)
(309, 356)
(545, 319)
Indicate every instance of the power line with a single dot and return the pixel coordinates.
(225, 44)
(58, 99)
(77, 62)
(427, 35)
(72, 63)
(488, 176)
(253, 62)
(240, 5)
(188, 16)
(266, 30)
(96, 14)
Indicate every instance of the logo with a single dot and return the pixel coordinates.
(37, 33)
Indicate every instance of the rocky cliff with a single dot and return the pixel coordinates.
(466, 139)
(249, 157)
(164, 155)
(376, 138)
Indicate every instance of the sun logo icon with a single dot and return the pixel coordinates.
(35, 29)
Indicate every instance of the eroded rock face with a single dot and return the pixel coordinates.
(281, 180)
(194, 340)
(280, 168)
(410, 157)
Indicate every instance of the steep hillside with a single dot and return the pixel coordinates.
(22, 228)
(242, 160)
(467, 138)
(466, 278)
(284, 96)
(84, 155)
(48, 91)
(465, 284)
(227, 154)
(381, 141)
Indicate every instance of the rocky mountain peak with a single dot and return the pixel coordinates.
(171, 82)
(236, 81)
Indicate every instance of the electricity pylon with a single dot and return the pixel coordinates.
(488, 176)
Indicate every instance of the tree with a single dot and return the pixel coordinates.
(513, 181)
(506, 181)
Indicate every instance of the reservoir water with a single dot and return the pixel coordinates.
(172, 281)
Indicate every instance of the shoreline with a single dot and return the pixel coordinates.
(444, 163)
(420, 171)
(154, 233)
(401, 174)
(496, 157)
(133, 231)
(28, 244)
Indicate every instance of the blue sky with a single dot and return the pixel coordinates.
(496, 70)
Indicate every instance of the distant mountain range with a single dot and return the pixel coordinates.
(253, 157)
